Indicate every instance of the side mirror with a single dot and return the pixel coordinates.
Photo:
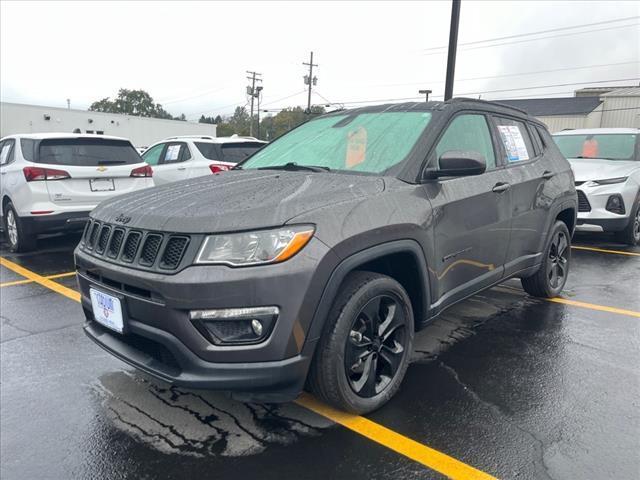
(458, 163)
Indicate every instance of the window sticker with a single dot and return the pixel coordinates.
(513, 143)
(173, 152)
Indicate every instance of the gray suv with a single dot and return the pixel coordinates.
(314, 261)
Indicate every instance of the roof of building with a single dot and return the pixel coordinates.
(623, 92)
(543, 107)
(598, 131)
(59, 135)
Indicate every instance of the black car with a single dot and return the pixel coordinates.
(315, 261)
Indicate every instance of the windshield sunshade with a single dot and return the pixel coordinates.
(366, 142)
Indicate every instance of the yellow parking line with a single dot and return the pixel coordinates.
(604, 250)
(23, 282)
(416, 451)
(45, 282)
(593, 306)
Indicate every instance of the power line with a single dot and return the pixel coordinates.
(504, 75)
(537, 33)
(617, 27)
(284, 98)
(492, 91)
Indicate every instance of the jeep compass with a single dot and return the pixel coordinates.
(313, 262)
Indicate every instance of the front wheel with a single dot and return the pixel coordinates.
(550, 279)
(366, 345)
(631, 234)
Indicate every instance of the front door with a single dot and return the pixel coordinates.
(471, 215)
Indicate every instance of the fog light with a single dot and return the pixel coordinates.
(235, 325)
(615, 204)
(257, 327)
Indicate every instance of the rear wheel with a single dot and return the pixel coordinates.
(19, 239)
(550, 279)
(631, 234)
(365, 349)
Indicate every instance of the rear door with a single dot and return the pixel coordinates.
(531, 175)
(472, 214)
(173, 163)
(85, 171)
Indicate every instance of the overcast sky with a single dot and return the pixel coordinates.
(193, 57)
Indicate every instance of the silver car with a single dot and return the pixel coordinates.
(606, 165)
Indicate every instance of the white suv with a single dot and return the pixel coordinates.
(606, 165)
(51, 181)
(179, 158)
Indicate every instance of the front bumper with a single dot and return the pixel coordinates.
(161, 340)
(598, 218)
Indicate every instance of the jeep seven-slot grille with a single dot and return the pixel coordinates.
(151, 250)
(583, 202)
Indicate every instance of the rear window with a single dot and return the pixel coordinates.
(228, 152)
(238, 152)
(87, 152)
(607, 146)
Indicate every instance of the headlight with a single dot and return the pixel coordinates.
(611, 181)
(255, 248)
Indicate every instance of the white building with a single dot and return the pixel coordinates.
(589, 108)
(142, 131)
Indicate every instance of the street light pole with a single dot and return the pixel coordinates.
(453, 44)
(426, 93)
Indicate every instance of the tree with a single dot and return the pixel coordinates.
(133, 102)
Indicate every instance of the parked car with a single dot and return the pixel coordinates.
(51, 181)
(180, 158)
(606, 164)
(314, 261)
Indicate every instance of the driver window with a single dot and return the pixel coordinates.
(152, 156)
(469, 133)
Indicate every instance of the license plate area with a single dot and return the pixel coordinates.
(102, 185)
(107, 310)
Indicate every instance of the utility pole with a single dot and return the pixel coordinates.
(258, 92)
(251, 90)
(68, 104)
(453, 45)
(310, 80)
(426, 93)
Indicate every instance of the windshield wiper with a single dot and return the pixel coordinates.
(293, 166)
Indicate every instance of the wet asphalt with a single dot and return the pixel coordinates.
(517, 387)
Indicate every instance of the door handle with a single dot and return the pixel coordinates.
(501, 187)
(547, 175)
(182, 168)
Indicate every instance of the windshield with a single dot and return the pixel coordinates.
(365, 142)
(606, 146)
(87, 152)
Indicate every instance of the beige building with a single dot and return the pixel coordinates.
(590, 108)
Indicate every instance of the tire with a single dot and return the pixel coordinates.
(552, 275)
(18, 238)
(631, 234)
(350, 348)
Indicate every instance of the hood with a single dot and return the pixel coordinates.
(593, 169)
(235, 200)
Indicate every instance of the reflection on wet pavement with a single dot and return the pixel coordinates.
(199, 423)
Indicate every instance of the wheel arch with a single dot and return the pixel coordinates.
(3, 204)
(387, 258)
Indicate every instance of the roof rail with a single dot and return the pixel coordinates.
(204, 137)
(477, 100)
